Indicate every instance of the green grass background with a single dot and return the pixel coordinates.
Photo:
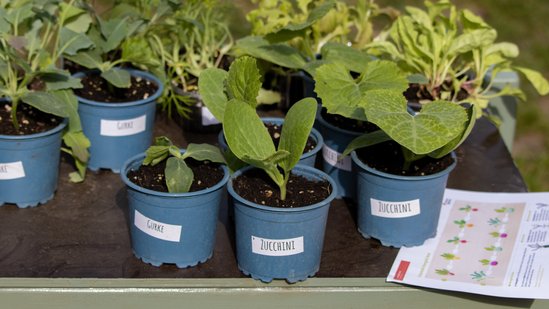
(525, 23)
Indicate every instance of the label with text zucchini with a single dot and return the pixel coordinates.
(277, 247)
(402, 209)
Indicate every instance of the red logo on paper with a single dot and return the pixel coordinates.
(401, 270)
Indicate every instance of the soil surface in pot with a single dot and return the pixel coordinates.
(387, 157)
(416, 93)
(256, 186)
(206, 175)
(97, 89)
(31, 120)
(348, 124)
(275, 131)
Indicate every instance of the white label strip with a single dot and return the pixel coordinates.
(395, 209)
(333, 158)
(12, 170)
(207, 117)
(157, 229)
(123, 127)
(277, 247)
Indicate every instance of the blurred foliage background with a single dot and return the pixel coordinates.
(523, 23)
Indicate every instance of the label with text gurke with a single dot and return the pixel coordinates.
(395, 209)
(157, 229)
(12, 170)
(123, 127)
(277, 247)
(334, 158)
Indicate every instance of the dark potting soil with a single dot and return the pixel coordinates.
(98, 89)
(206, 175)
(31, 120)
(256, 186)
(348, 124)
(387, 157)
(416, 93)
(276, 130)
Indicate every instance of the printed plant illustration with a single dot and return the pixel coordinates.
(479, 275)
(456, 240)
(500, 235)
(450, 256)
(487, 262)
(505, 210)
(468, 208)
(494, 222)
(460, 223)
(444, 272)
(493, 248)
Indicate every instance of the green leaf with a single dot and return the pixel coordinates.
(232, 161)
(279, 54)
(341, 94)
(436, 125)
(58, 80)
(70, 105)
(211, 85)
(353, 59)
(451, 146)
(90, 59)
(244, 80)
(18, 15)
(203, 152)
(179, 177)
(292, 30)
(114, 31)
(156, 154)
(417, 79)
(366, 140)
(268, 97)
(245, 132)
(79, 144)
(295, 131)
(174, 151)
(71, 42)
(139, 52)
(46, 102)
(472, 40)
(162, 141)
(117, 77)
(508, 50)
(538, 81)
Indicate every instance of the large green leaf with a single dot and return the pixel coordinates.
(71, 42)
(353, 59)
(46, 102)
(203, 152)
(117, 77)
(446, 149)
(58, 80)
(156, 154)
(114, 31)
(437, 124)
(244, 80)
(138, 51)
(472, 40)
(245, 133)
(279, 54)
(341, 94)
(79, 144)
(211, 85)
(295, 131)
(179, 177)
(366, 140)
(70, 103)
(19, 14)
(90, 59)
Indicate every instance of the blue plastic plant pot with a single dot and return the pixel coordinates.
(398, 210)
(29, 167)
(308, 158)
(172, 228)
(118, 131)
(280, 243)
(335, 142)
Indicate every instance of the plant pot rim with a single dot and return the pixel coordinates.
(138, 159)
(58, 128)
(332, 127)
(364, 166)
(299, 167)
(314, 132)
(133, 72)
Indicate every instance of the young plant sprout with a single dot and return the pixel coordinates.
(180, 177)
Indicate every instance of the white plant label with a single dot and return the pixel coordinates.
(123, 127)
(277, 247)
(207, 117)
(395, 209)
(164, 231)
(334, 158)
(13, 170)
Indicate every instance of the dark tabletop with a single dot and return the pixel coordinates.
(83, 232)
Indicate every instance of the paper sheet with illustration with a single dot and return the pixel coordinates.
(487, 243)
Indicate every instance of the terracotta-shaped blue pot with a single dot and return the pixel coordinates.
(398, 210)
(335, 142)
(280, 243)
(308, 158)
(29, 167)
(118, 131)
(173, 228)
